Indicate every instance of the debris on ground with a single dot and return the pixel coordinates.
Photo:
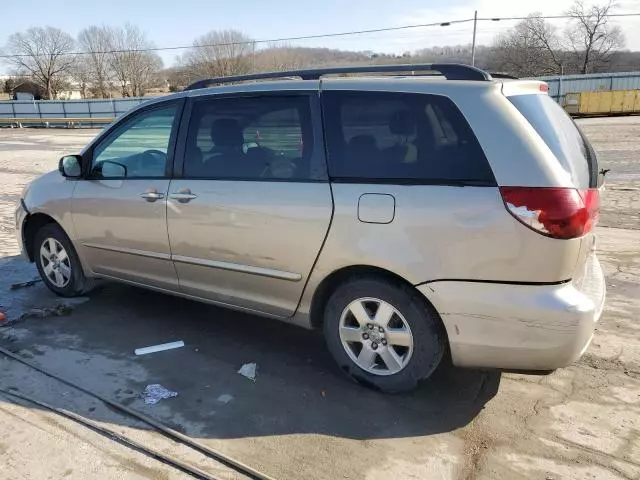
(153, 393)
(249, 370)
(159, 348)
(30, 283)
(62, 308)
(56, 311)
(225, 398)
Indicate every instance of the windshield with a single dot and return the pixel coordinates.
(561, 135)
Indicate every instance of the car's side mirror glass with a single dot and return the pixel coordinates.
(246, 146)
(112, 169)
(70, 166)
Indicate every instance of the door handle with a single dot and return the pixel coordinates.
(183, 195)
(152, 196)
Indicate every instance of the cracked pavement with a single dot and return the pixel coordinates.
(300, 419)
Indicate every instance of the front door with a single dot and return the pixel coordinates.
(119, 210)
(249, 216)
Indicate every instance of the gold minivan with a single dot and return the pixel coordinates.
(405, 216)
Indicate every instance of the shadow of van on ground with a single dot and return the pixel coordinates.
(298, 390)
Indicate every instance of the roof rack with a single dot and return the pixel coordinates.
(503, 76)
(451, 71)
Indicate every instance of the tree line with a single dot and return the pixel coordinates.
(104, 58)
(533, 47)
(589, 43)
(100, 59)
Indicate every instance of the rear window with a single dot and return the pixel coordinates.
(562, 136)
(401, 137)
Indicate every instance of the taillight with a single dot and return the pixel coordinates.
(554, 212)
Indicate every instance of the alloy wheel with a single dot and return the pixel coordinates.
(56, 264)
(376, 336)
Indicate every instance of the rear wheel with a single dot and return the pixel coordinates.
(58, 262)
(382, 334)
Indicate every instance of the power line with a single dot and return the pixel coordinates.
(323, 35)
(552, 17)
(273, 40)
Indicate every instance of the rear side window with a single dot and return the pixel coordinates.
(413, 138)
(253, 138)
(561, 135)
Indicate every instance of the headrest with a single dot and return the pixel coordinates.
(363, 141)
(226, 132)
(402, 123)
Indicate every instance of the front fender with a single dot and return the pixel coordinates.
(51, 194)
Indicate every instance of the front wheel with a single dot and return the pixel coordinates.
(382, 334)
(58, 262)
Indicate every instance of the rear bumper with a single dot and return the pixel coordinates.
(522, 327)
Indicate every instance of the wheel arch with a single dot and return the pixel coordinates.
(32, 224)
(338, 277)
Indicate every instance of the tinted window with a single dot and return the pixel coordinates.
(562, 135)
(399, 136)
(137, 148)
(252, 138)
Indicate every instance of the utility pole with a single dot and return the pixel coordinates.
(473, 44)
(253, 57)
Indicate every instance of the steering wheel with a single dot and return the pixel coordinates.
(154, 152)
(151, 160)
(280, 168)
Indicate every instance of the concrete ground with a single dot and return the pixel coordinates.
(301, 419)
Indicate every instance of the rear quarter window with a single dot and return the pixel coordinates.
(401, 137)
(562, 136)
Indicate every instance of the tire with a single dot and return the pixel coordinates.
(76, 283)
(411, 315)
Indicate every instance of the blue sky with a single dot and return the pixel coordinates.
(169, 23)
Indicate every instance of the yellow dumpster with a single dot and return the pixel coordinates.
(617, 101)
(603, 102)
(631, 101)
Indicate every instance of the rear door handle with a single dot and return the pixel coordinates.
(183, 195)
(152, 196)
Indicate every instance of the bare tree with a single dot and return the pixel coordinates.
(8, 85)
(134, 67)
(281, 57)
(95, 42)
(545, 37)
(44, 54)
(82, 74)
(531, 48)
(219, 54)
(145, 69)
(592, 38)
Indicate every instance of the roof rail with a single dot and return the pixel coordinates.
(451, 71)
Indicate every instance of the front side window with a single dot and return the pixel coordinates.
(252, 138)
(401, 137)
(138, 148)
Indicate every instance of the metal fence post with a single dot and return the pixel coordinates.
(37, 107)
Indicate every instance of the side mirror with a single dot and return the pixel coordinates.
(70, 166)
(246, 146)
(112, 169)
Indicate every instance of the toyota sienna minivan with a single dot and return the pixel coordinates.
(444, 214)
